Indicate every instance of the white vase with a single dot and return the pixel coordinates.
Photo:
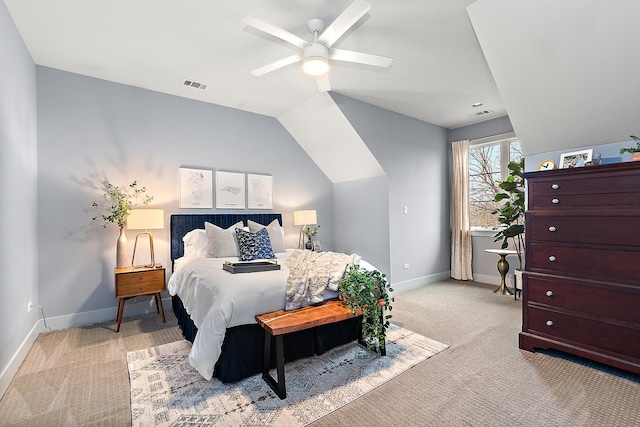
(122, 256)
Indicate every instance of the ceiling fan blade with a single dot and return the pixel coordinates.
(278, 32)
(323, 83)
(276, 64)
(352, 14)
(359, 57)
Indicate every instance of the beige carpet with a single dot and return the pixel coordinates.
(79, 376)
(167, 391)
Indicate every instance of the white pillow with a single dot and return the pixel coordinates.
(196, 243)
(276, 234)
(222, 242)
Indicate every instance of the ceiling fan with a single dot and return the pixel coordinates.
(315, 55)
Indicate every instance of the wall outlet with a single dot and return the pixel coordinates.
(405, 266)
(29, 307)
(405, 210)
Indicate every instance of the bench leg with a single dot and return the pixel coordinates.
(278, 387)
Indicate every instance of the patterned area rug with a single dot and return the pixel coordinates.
(167, 391)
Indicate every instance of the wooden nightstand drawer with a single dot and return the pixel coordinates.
(141, 282)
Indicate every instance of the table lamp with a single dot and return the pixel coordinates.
(145, 219)
(305, 219)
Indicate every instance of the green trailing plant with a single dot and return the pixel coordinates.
(632, 150)
(118, 203)
(362, 290)
(511, 212)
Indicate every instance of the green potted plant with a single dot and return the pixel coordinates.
(363, 291)
(511, 212)
(310, 231)
(117, 205)
(635, 151)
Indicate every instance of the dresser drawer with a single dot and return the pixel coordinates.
(138, 283)
(618, 229)
(627, 200)
(604, 336)
(615, 302)
(615, 263)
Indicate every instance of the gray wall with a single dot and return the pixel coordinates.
(361, 215)
(18, 187)
(415, 156)
(90, 129)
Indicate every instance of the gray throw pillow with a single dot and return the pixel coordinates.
(222, 242)
(276, 234)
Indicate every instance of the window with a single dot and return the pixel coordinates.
(487, 167)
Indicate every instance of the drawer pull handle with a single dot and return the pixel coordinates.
(549, 293)
(555, 186)
(555, 201)
(552, 229)
(552, 258)
(549, 322)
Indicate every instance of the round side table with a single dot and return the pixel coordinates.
(503, 268)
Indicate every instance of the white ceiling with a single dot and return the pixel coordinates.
(438, 71)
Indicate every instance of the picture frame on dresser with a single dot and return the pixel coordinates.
(575, 159)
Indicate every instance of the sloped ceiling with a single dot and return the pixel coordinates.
(568, 71)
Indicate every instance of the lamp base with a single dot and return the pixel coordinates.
(152, 263)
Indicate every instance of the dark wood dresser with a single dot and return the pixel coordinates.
(582, 280)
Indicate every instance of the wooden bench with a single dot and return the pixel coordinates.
(279, 323)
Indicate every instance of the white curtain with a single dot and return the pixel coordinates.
(460, 229)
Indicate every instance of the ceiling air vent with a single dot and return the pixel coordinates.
(193, 84)
(480, 113)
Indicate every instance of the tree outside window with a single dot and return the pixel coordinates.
(487, 167)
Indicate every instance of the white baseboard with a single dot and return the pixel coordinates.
(494, 280)
(131, 308)
(420, 281)
(12, 368)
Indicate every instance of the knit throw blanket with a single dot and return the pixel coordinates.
(311, 273)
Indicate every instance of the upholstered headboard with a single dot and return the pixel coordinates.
(181, 224)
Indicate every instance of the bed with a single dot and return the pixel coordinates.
(197, 307)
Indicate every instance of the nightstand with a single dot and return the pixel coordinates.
(132, 282)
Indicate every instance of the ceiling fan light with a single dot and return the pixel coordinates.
(315, 66)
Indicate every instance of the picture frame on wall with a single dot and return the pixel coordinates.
(230, 190)
(575, 159)
(196, 188)
(259, 191)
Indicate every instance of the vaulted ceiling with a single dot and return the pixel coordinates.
(566, 70)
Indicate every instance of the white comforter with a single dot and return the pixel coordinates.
(216, 300)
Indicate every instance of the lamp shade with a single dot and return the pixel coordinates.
(145, 219)
(305, 217)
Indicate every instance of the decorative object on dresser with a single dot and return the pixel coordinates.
(305, 219)
(368, 292)
(511, 218)
(117, 205)
(582, 279)
(145, 219)
(576, 159)
(132, 282)
(635, 151)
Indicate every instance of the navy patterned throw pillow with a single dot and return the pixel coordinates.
(254, 245)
